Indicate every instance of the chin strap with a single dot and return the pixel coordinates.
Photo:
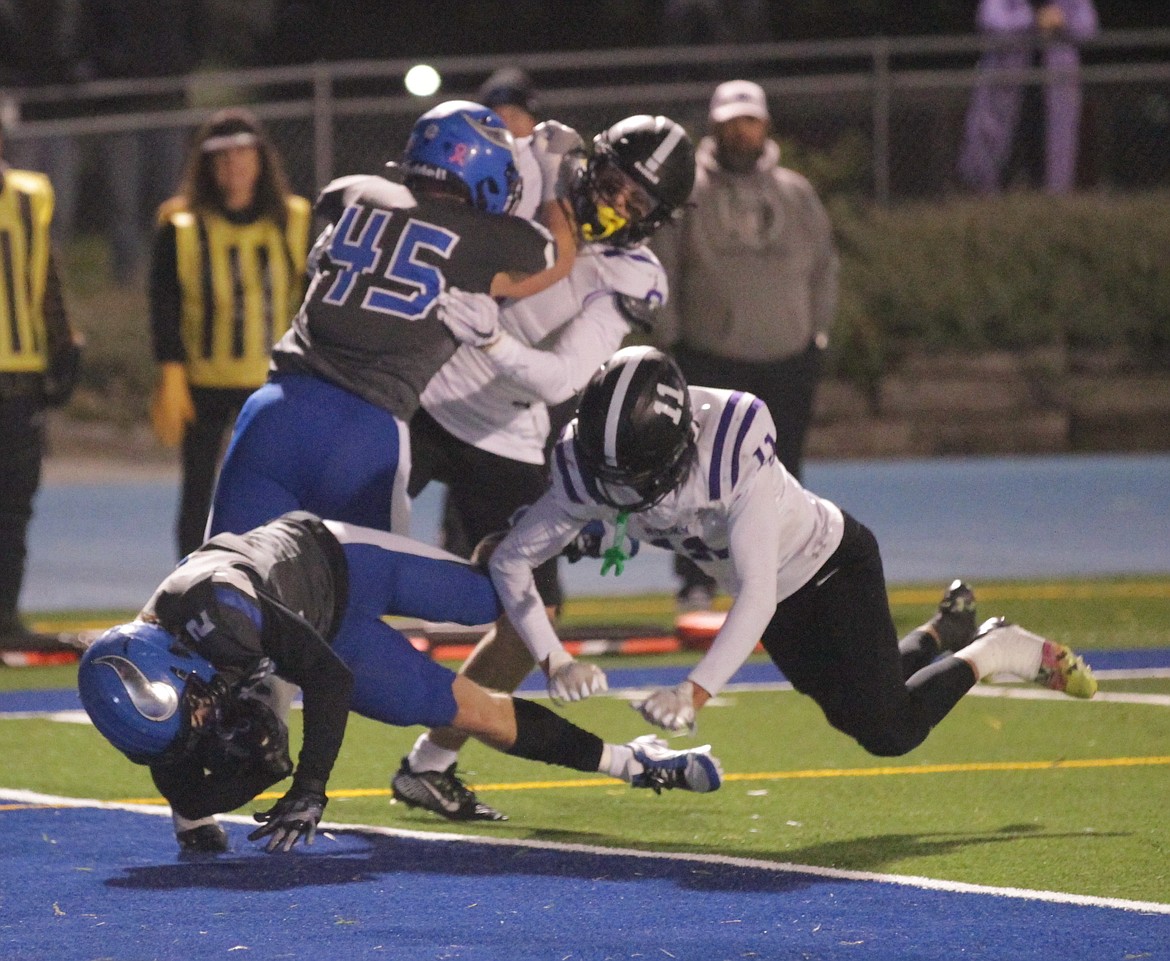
(614, 556)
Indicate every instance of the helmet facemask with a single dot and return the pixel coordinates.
(611, 206)
(634, 491)
(229, 734)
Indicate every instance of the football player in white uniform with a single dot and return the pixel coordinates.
(694, 470)
(484, 424)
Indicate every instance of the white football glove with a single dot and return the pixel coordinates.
(573, 680)
(472, 318)
(551, 140)
(672, 708)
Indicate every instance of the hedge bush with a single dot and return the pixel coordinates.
(1023, 271)
(1084, 273)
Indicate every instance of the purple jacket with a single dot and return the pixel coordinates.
(995, 104)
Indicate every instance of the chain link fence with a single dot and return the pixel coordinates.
(877, 119)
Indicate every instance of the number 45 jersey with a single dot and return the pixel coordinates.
(368, 322)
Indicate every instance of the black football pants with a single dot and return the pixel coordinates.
(835, 640)
(484, 490)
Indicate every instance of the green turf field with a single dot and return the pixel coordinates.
(1052, 794)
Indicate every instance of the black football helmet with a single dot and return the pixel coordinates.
(657, 154)
(634, 436)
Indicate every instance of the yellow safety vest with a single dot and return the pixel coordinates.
(26, 209)
(241, 285)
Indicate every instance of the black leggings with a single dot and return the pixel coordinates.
(203, 442)
(837, 643)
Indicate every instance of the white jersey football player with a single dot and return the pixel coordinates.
(694, 470)
(484, 424)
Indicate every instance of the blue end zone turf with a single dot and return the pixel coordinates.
(85, 883)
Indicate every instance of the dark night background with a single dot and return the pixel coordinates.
(305, 30)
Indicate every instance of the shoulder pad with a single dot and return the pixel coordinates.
(640, 313)
(635, 272)
(638, 282)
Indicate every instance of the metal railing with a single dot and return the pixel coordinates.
(898, 101)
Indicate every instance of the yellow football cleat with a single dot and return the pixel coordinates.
(1062, 670)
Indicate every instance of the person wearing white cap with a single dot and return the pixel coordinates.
(753, 275)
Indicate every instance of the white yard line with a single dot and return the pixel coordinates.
(930, 884)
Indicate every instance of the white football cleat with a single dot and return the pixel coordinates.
(694, 769)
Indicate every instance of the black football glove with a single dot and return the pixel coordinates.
(294, 816)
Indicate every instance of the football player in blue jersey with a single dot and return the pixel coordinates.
(328, 431)
(694, 470)
(199, 685)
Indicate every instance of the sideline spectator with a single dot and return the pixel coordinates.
(1032, 34)
(753, 281)
(40, 355)
(226, 276)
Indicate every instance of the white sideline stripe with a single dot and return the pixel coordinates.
(1011, 692)
(928, 884)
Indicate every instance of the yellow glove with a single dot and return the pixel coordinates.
(171, 407)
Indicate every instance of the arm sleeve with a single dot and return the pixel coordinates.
(755, 545)
(555, 375)
(165, 297)
(541, 533)
(302, 657)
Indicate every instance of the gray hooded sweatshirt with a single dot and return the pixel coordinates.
(752, 265)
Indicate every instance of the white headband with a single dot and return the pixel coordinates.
(226, 141)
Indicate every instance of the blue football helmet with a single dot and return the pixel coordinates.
(470, 144)
(138, 684)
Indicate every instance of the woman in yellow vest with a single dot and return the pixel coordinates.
(40, 354)
(227, 275)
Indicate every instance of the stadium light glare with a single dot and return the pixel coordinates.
(422, 80)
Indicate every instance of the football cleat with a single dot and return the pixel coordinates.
(694, 769)
(1060, 669)
(955, 620)
(204, 839)
(441, 792)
